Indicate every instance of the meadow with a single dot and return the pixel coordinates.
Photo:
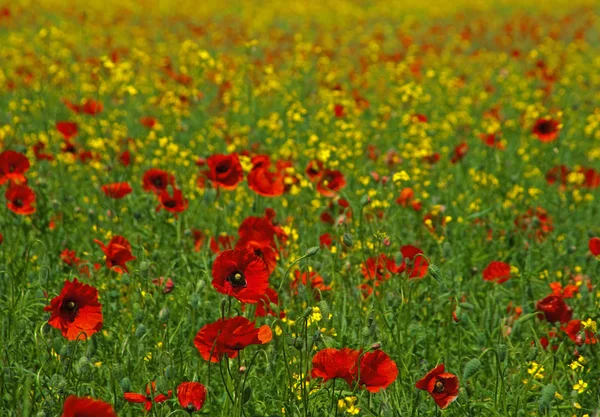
(270, 209)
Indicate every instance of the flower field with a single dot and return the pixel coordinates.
(333, 208)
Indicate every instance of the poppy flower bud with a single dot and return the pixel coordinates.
(365, 200)
(242, 369)
(347, 240)
(125, 384)
(376, 346)
(502, 352)
(163, 315)
(307, 312)
(83, 365)
(546, 397)
(435, 272)
(471, 368)
(311, 251)
(139, 314)
(455, 315)
(40, 414)
(144, 266)
(140, 331)
(169, 372)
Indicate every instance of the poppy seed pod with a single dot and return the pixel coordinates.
(347, 239)
(311, 251)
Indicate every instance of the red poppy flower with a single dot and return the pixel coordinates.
(418, 117)
(223, 242)
(228, 337)
(377, 371)
(567, 292)
(594, 245)
(71, 106)
(69, 257)
(13, 166)
(266, 183)
(156, 180)
(553, 309)
(86, 407)
(76, 311)
(309, 279)
(313, 170)
(592, 177)
(406, 195)
(557, 174)
(40, 155)
(166, 284)
(261, 248)
(580, 336)
(258, 235)
(118, 253)
(332, 363)
(536, 223)
(125, 158)
(546, 129)
(338, 110)
(134, 397)
(325, 240)
(261, 229)
(413, 263)
(117, 190)
(191, 396)
(92, 107)
(432, 158)
(20, 199)
(199, 237)
(173, 203)
(442, 386)
(497, 271)
(492, 140)
(376, 268)
(241, 274)
(330, 183)
(263, 307)
(148, 122)
(460, 151)
(67, 129)
(225, 171)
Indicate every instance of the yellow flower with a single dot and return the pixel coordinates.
(400, 176)
(590, 325)
(536, 370)
(580, 386)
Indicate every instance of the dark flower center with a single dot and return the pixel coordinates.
(439, 387)
(190, 407)
(70, 309)
(170, 203)
(18, 203)
(546, 127)
(157, 181)
(223, 168)
(237, 279)
(11, 168)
